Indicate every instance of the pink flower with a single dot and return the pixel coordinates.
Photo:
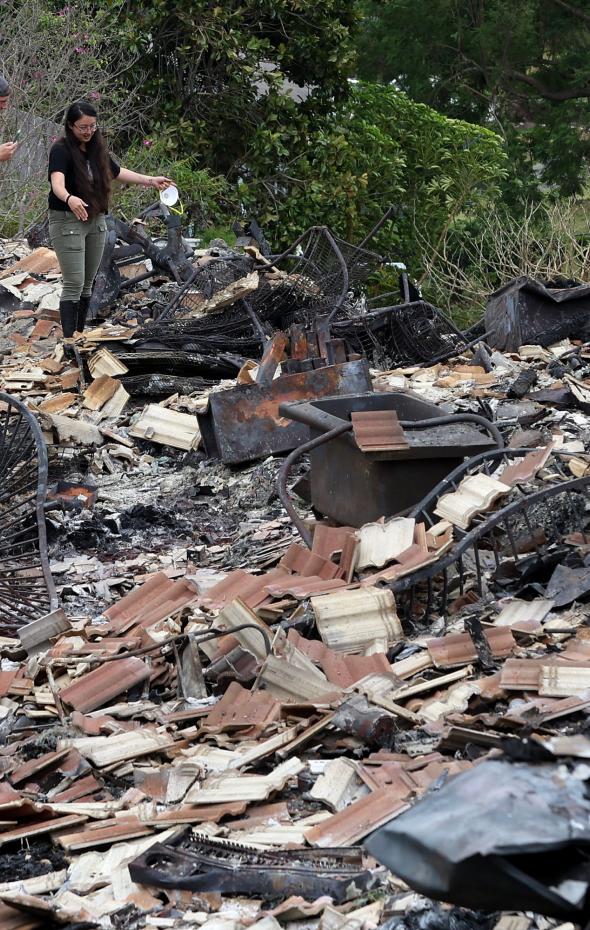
(147, 143)
(94, 95)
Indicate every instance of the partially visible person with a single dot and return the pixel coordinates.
(81, 173)
(7, 149)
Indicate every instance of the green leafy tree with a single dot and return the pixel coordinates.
(216, 71)
(376, 149)
(521, 67)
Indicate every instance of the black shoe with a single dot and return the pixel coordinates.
(83, 305)
(68, 315)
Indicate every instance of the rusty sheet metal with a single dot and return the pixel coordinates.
(459, 648)
(99, 687)
(378, 430)
(244, 423)
(242, 709)
(357, 820)
(202, 864)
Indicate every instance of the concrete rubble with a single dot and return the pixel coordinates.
(212, 693)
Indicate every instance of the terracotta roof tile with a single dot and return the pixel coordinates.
(459, 649)
(99, 687)
(6, 679)
(48, 760)
(376, 430)
(527, 467)
(156, 599)
(302, 561)
(391, 775)
(240, 708)
(251, 589)
(302, 588)
(357, 820)
(341, 670)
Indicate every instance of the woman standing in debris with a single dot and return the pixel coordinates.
(81, 172)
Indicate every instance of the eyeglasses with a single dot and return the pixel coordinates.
(86, 128)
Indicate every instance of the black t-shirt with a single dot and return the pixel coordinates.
(60, 159)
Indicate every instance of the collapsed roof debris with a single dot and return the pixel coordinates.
(218, 704)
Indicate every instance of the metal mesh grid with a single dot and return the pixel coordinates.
(26, 586)
(528, 509)
(407, 334)
(312, 277)
(231, 330)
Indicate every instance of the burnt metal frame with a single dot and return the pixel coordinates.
(486, 462)
(170, 258)
(378, 318)
(22, 444)
(291, 252)
(201, 863)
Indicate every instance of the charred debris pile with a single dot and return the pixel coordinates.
(294, 596)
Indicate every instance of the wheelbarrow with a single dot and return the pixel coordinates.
(352, 486)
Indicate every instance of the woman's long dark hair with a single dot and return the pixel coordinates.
(95, 189)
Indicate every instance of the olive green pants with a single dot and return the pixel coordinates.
(79, 247)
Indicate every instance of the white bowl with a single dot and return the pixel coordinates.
(169, 196)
